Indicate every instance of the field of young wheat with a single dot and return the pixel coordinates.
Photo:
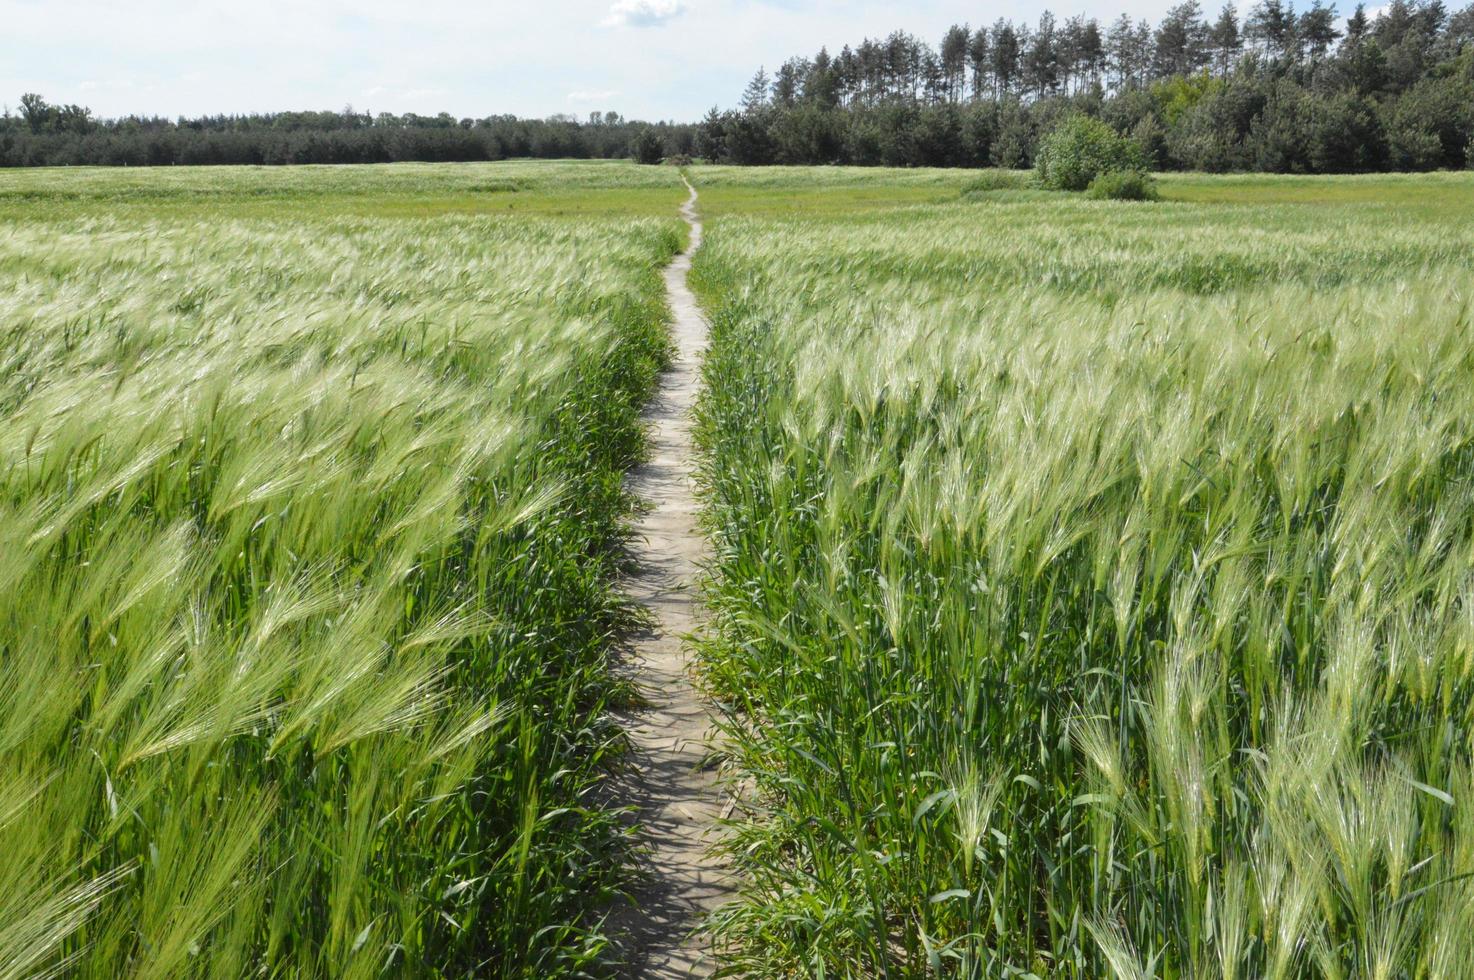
(310, 509)
(1093, 589)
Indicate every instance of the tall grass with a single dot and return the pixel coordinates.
(308, 533)
(1092, 588)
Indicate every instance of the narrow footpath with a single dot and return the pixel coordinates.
(672, 785)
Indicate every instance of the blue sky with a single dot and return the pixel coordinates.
(652, 59)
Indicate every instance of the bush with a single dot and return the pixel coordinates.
(647, 147)
(978, 132)
(1080, 149)
(995, 180)
(1278, 135)
(1015, 137)
(1414, 148)
(1432, 124)
(1345, 136)
(1123, 185)
(1211, 135)
(1150, 141)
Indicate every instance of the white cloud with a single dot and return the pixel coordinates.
(602, 95)
(643, 13)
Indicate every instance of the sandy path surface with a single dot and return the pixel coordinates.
(673, 784)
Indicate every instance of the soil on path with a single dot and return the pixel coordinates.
(672, 785)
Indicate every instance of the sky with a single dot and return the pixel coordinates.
(646, 59)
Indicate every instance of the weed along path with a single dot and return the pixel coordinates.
(672, 785)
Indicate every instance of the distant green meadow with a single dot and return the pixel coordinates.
(1091, 584)
(408, 190)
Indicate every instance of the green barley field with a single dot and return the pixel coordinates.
(310, 511)
(1094, 582)
(1091, 594)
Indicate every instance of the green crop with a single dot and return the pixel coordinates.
(1090, 592)
(310, 517)
(1092, 584)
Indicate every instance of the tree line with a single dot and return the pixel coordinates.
(1278, 90)
(41, 134)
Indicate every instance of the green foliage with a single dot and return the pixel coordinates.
(1212, 135)
(807, 134)
(1345, 136)
(1179, 94)
(647, 147)
(1276, 138)
(1078, 150)
(1014, 144)
(1433, 123)
(1190, 96)
(1414, 147)
(48, 135)
(1150, 139)
(1123, 185)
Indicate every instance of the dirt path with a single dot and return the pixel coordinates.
(673, 787)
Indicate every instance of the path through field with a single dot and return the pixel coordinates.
(673, 787)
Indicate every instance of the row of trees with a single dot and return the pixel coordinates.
(41, 134)
(1278, 90)
(1079, 53)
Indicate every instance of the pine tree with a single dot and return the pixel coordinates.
(978, 54)
(1182, 40)
(1005, 56)
(954, 56)
(1272, 24)
(1224, 38)
(1316, 30)
(755, 96)
(1042, 61)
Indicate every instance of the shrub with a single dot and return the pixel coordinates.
(995, 180)
(979, 129)
(1432, 123)
(1211, 135)
(1080, 149)
(1123, 185)
(1015, 137)
(1277, 136)
(647, 147)
(1149, 139)
(1345, 136)
(1415, 149)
